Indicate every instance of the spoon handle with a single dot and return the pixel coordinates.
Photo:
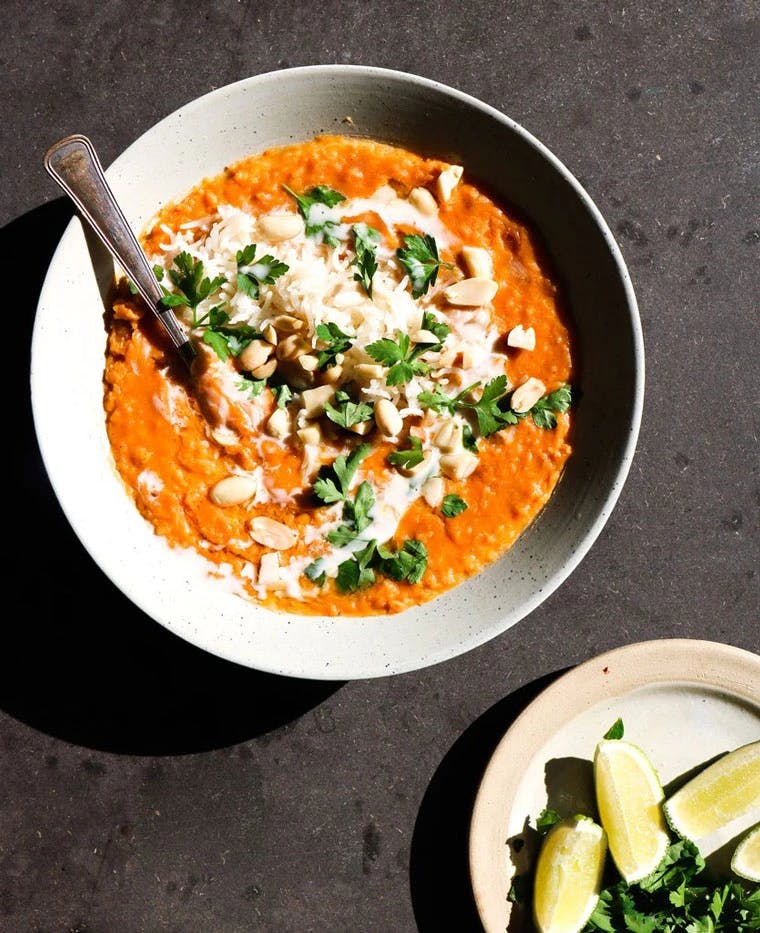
(74, 165)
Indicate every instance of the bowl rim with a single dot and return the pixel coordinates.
(366, 668)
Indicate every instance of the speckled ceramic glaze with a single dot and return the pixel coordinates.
(684, 702)
(274, 109)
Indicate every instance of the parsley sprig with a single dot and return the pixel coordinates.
(420, 259)
(334, 483)
(188, 276)
(337, 342)
(408, 564)
(366, 240)
(346, 412)
(320, 224)
(401, 356)
(492, 408)
(356, 516)
(453, 506)
(252, 273)
(410, 457)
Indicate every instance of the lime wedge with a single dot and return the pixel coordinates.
(629, 796)
(746, 860)
(569, 875)
(717, 796)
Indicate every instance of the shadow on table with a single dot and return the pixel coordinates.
(79, 661)
(439, 868)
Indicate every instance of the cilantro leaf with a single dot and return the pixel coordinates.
(546, 820)
(315, 573)
(217, 342)
(347, 412)
(419, 258)
(226, 339)
(616, 730)
(557, 401)
(366, 240)
(438, 401)
(468, 439)
(400, 356)
(453, 506)
(158, 271)
(333, 483)
(252, 273)
(283, 394)
(439, 330)
(409, 563)
(252, 387)
(410, 457)
(356, 514)
(356, 573)
(188, 277)
(489, 408)
(337, 342)
(314, 207)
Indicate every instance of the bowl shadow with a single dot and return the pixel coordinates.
(439, 862)
(80, 661)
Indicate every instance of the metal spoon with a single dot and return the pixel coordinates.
(74, 165)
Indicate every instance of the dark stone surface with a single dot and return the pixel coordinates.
(148, 787)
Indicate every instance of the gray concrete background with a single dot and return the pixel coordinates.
(146, 787)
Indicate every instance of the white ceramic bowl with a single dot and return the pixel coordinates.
(275, 109)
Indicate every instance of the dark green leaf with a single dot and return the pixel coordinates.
(453, 506)
(420, 260)
(347, 412)
(544, 409)
(410, 457)
(366, 240)
(217, 342)
(337, 342)
(315, 573)
(546, 820)
(616, 730)
(319, 223)
(334, 482)
(253, 273)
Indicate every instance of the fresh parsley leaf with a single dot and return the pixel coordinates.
(409, 563)
(468, 439)
(419, 257)
(366, 240)
(252, 273)
(217, 342)
(356, 514)
(158, 271)
(188, 277)
(315, 573)
(681, 863)
(489, 409)
(401, 358)
(616, 730)
(347, 412)
(546, 820)
(225, 338)
(337, 342)
(356, 573)
(252, 387)
(282, 394)
(333, 483)
(410, 457)
(544, 409)
(439, 330)
(438, 401)
(453, 506)
(320, 224)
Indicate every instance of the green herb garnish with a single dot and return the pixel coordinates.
(283, 394)
(356, 573)
(346, 412)
(419, 257)
(188, 277)
(337, 342)
(616, 730)
(252, 273)
(401, 358)
(439, 330)
(355, 515)
(252, 387)
(334, 482)
(319, 224)
(410, 457)
(557, 401)
(366, 240)
(408, 563)
(453, 506)
(546, 820)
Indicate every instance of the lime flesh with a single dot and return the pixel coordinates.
(629, 796)
(569, 875)
(722, 793)
(746, 860)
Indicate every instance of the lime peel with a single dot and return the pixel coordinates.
(746, 859)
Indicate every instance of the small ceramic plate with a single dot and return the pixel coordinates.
(684, 702)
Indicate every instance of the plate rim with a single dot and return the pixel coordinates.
(295, 666)
(701, 662)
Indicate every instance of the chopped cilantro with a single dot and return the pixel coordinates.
(546, 820)
(283, 394)
(315, 573)
(252, 273)
(193, 287)
(408, 563)
(453, 506)
(320, 224)
(419, 257)
(401, 358)
(410, 457)
(439, 330)
(347, 412)
(616, 730)
(334, 483)
(337, 342)
(356, 573)
(366, 240)
(252, 387)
